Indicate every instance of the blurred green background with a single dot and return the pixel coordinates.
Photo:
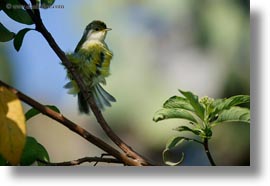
(159, 46)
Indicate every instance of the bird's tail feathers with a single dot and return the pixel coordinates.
(101, 96)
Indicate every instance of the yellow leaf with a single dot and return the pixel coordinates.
(12, 126)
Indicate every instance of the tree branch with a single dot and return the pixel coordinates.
(206, 149)
(82, 160)
(35, 9)
(110, 133)
(72, 126)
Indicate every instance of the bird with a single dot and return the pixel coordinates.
(91, 59)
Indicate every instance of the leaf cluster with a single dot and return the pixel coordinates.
(202, 114)
(15, 11)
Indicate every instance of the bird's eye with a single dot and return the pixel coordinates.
(96, 29)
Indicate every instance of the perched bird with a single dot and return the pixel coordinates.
(91, 59)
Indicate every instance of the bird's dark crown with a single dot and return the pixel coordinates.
(96, 25)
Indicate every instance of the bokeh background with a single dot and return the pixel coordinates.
(159, 47)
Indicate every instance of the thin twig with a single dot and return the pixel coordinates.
(72, 126)
(102, 155)
(206, 149)
(82, 160)
(107, 129)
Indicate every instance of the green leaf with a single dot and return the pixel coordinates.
(5, 34)
(223, 104)
(3, 161)
(178, 102)
(172, 143)
(46, 3)
(194, 101)
(234, 114)
(17, 42)
(167, 113)
(13, 9)
(33, 151)
(167, 161)
(187, 129)
(33, 112)
(42, 155)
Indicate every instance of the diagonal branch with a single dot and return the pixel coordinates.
(72, 126)
(107, 129)
(82, 160)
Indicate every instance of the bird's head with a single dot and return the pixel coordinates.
(96, 30)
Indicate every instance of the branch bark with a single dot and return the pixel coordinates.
(82, 160)
(72, 126)
(110, 133)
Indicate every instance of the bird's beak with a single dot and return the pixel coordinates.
(107, 29)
